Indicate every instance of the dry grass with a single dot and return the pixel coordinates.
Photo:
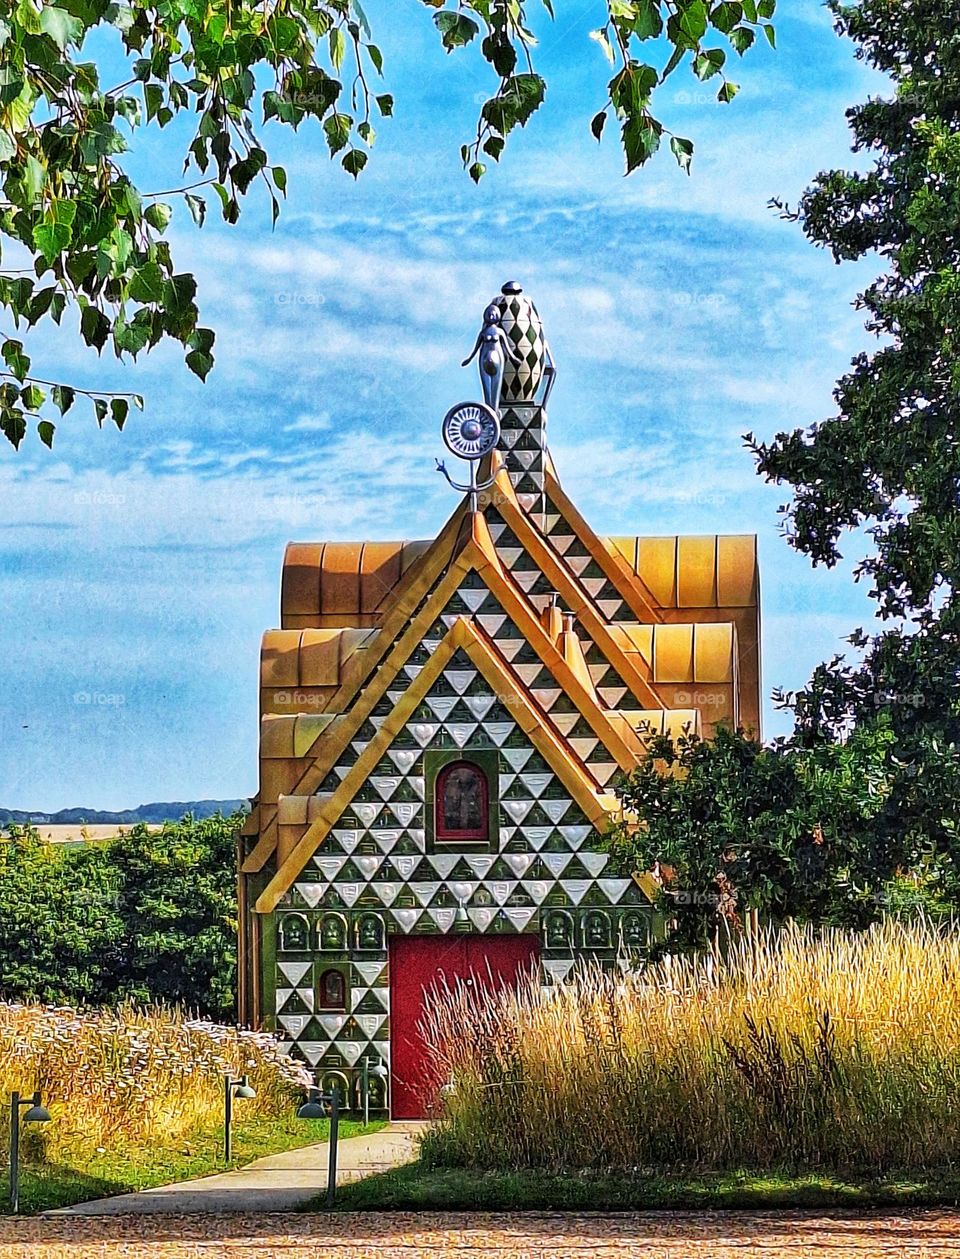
(819, 1049)
(130, 1077)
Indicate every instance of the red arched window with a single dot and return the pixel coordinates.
(462, 803)
(333, 991)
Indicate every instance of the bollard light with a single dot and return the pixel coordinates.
(313, 1108)
(233, 1088)
(35, 1113)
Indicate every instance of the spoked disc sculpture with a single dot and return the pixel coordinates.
(470, 431)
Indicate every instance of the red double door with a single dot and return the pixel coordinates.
(417, 964)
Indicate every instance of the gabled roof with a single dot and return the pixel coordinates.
(476, 552)
(597, 807)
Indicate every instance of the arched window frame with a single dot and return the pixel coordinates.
(322, 1001)
(446, 834)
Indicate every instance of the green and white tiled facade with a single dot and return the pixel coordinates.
(343, 853)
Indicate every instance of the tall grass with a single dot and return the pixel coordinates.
(829, 1048)
(134, 1076)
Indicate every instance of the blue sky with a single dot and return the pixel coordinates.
(138, 570)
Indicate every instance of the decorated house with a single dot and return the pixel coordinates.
(442, 725)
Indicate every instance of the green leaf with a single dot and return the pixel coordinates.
(200, 363)
(516, 101)
(693, 21)
(682, 150)
(15, 359)
(456, 29)
(771, 35)
(338, 47)
(385, 105)
(197, 207)
(728, 92)
(597, 124)
(119, 408)
(158, 215)
(100, 411)
(354, 162)
(709, 63)
(94, 327)
(33, 397)
(51, 239)
(648, 23)
(337, 130)
(13, 425)
(726, 15)
(63, 398)
(493, 147)
(742, 38)
(8, 147)
(280, 178)
(477, 171)
(62, 28)
(46, 430)
(147, 284)
(376, 56)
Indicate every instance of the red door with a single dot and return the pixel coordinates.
(418, 962)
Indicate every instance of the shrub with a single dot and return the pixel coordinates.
(816, 1048)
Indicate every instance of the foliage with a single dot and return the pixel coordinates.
(178, 907)
(96, 244)
(887, 464)
(135, 1076)
(801, 1047)
(150, 916)
(728, 824)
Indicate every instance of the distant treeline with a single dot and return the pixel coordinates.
(163, 811)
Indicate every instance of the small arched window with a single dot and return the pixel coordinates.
(462, 803)
(333, 990)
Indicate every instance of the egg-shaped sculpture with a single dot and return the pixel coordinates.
(521, 322)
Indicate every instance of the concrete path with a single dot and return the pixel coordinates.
(279, 1182)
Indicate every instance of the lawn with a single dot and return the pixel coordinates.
(415, 1187)
(104, 1172)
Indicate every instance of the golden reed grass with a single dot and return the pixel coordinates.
(799, 1048)
(133, 1076)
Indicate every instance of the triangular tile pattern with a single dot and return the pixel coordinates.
(376, 862)
(523, 446)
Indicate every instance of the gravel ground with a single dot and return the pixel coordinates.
(666, 1235)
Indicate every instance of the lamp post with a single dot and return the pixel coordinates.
(313, 1108)
(233, 1088)
(379, 1070)
(36, 1113)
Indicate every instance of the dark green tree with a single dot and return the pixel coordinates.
(60, 933)
(178, 907)
(727, 825)
(886, 466)
(148, 917)
(77, 236)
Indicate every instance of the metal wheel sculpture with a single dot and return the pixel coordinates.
(470, 430)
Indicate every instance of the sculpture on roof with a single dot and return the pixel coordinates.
(496, 350)
(530, 363)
